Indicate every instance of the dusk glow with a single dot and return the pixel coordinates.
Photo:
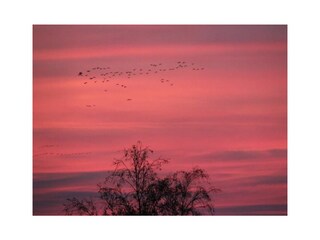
(199, 95)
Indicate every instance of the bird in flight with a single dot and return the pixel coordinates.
(80, 74)
(129, 99)
(85, 82)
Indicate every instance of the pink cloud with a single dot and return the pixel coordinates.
(156, 50)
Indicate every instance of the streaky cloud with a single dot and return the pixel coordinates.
(239, 155)
(53, 180)
(266, 209)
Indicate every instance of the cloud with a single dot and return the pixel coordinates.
(69, 36)
(240, 155)
(239, 181)
(79, 135)
(151, 51)
(55, 180)
(266, 209)
(267, 180)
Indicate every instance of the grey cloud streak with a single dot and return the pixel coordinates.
(70, 36)
(239, 155)
(265, 209)
(53, 180)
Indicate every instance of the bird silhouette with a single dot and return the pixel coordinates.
(80, 74)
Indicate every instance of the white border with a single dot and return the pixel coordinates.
(17, 18)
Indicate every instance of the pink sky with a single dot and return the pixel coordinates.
(229, 118)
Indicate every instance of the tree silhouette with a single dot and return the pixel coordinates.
(134, 188)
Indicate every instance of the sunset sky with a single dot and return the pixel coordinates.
(212, 96)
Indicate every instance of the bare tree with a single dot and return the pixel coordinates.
(189, 193)
(80, 207)
(134, 188)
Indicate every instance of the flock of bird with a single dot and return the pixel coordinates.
(52, 150)
(116, 78)
(49, 146)
(108, 78)
(79, 154)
